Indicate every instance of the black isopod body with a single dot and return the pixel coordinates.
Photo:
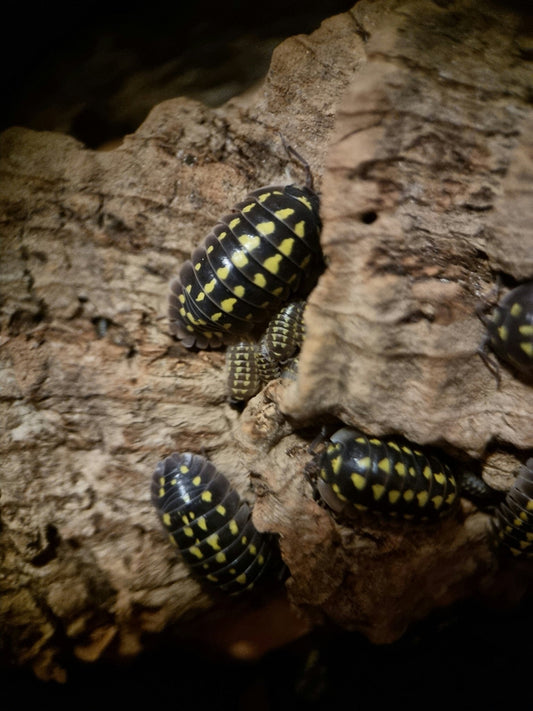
(393, 477)
(510, 331)
(264, 251)
(356, 471)
(209, 523)
(514, 516)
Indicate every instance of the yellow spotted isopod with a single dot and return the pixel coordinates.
(209, 523)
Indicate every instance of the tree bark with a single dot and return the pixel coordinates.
(416, 120)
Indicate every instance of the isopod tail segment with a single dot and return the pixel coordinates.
(513, 525)
(509, 332)
(394, 477)
(210, 524)
(266, 251)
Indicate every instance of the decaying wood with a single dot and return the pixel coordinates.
(418, 118)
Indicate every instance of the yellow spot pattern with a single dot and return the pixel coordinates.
(250, 242)
(213, 542)
(259, 280)
(336, 464)
(364, 462)
(358, 481)
(272, 263)
(299, 229)
(228, 304)
(286, 246)
(283, 214)
(422, 497)
(266, 228)
(305, 201)
(378, 490)
(399, 468)
(503, 333)
(335, 488)
(239, 259)
(384, 465)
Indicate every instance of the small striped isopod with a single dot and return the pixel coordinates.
(251, 365)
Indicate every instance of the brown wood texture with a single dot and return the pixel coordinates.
(417, 122)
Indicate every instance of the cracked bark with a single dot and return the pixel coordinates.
(416, 120)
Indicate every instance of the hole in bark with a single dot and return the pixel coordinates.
(24, 320)
(49, 551)
(369, 217)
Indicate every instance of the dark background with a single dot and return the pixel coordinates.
(465, 657)
(94, 70)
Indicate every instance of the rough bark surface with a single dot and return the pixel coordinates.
(419, 113)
